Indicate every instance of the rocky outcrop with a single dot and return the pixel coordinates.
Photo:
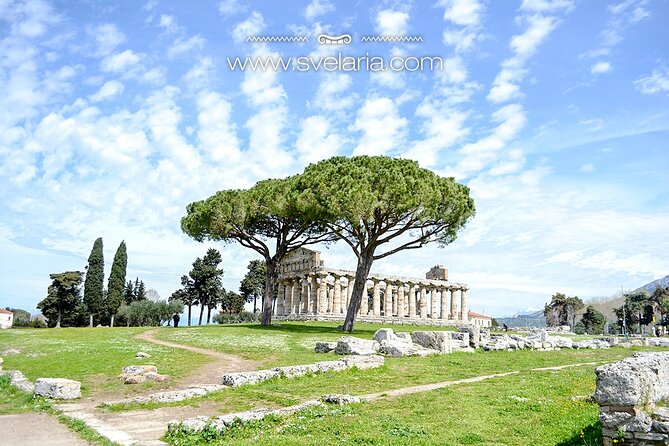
(627, 392)
(58, 388)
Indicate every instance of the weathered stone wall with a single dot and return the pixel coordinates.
(627, 393)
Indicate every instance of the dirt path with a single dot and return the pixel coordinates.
(144, 428)
(36, 429)
(211, 372)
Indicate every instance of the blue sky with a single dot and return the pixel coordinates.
(115, 116)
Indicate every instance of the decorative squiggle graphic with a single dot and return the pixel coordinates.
(263, 39)
(325, 39)
(391, 39)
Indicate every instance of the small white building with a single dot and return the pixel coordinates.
(6, 318)
(480, 320)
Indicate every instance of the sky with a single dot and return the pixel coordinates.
(115, 115)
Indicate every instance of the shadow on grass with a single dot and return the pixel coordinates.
(305, 328)
(588, 436)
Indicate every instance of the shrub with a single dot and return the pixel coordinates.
(579, 328)
(236, 318)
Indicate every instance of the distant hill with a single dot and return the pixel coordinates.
(533, 319)
(650, 287)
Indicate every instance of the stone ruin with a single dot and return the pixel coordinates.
(309, 290)
(137, 374)
(628, 393)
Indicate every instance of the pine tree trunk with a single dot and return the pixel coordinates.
(208, 315)
(90, 320)
(269, 292)
(255, 304)
(58, 321)
(189, 309)
(199, 322)
(112, 321)
(361, 273)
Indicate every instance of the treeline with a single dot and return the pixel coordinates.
(203, 287)
(77, 299)
(639, 313)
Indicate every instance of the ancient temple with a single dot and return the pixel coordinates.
(309, 290)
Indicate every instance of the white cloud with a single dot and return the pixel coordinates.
(392, 23)
(513, 163)
(318, 8)
(108, 37)
(107, 91)
(198, 75)
(252, 26)
(546, 5)
(228, 8)
(169, 23)
(656, 82)
(506, 84)
(482, 153)
(120, 62)
(587, 168)
(601, 67)
(188, 46)
(317, 140)
(442, 127)
(462, 12)
(383, 128)
(216, 130)
(622, 15)
(332, 93)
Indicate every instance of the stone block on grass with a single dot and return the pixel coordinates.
(58, 388)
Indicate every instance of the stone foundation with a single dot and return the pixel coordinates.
(627, 393)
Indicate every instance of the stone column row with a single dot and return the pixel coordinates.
(314, 294)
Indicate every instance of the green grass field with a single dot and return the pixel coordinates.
(531, 407)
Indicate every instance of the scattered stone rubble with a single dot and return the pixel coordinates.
(627, 392)
(136, 374)
(58, 388)
(467, 339)
(362, 362)
(142, 355)
(19, 380)
(171, 396)
(221, 423)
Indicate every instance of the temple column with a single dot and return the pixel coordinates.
(454, 305)
(330, 298)
(434, 314)
(444, 303)
(376, 298)
(412, 300)
(304, 294)
(388, 300)
(400, 300)
(336, 304)
(322, 294)
(422, 305)
(290, 297)
(463, 305)
(281, 291)
(313, 294)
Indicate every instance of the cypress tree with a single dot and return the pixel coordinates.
(116, 284)
(94, 283)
